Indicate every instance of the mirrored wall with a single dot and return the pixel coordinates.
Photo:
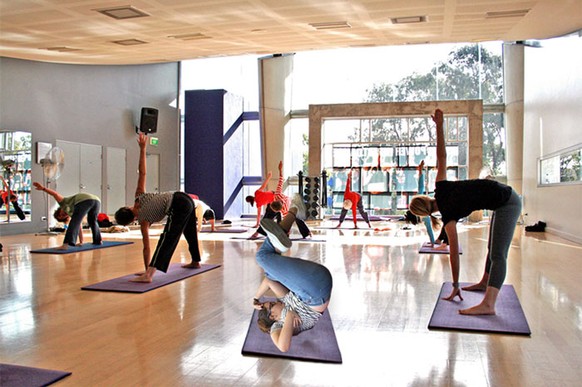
(15, 176)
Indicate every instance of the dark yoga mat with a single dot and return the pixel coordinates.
(317, 344)
(426, 249)
(509, 317)
(84, 247)
(19, 376)
(123, 284)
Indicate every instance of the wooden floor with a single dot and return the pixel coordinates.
(191, 333)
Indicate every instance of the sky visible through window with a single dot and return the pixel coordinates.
(324, 76)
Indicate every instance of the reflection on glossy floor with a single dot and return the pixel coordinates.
(191, 332)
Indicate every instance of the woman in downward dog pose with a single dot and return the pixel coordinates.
(456, 200)
(303, 288)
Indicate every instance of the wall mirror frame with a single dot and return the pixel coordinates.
(15, 176)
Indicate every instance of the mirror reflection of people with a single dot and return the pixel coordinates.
(71, 211)
(149, 208)
(456, 200)
(8, 198)
(302, 287)
(353, 201)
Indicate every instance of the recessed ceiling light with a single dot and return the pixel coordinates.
(499, 14)
(330, 25)
(129, 42)
(409, 19)
(120, 13)
(195, 36)
(61, 49)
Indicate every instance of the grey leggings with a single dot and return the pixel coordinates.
(501, 229)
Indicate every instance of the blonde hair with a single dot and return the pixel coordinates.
(421, 205)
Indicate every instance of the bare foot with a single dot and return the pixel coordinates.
(142, 278)
(478, 310)
(479, 287)
(442, 246)
(192, 265)
(63, 247)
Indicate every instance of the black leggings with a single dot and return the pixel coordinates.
(181, 220)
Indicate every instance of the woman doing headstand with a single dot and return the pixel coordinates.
(456, 200)
(303, 288)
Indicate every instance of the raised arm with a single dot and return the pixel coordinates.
(141, 179)
(264, 185)
(441, 148)
(349, 183)
(57, 196)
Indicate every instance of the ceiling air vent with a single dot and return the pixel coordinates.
(121, 13)
(409, 19)
(500, 14)
(330, 25)
(129, 42)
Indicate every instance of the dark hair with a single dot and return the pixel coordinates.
(61, 215)
(264, 321)
(409, 217)
(276, 206)
(124, 216)
(250, 199)
(208, 214)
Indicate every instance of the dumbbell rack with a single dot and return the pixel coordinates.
(313, 189)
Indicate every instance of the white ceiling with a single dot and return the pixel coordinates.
(72, 31)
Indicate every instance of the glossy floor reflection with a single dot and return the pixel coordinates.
(191, 332)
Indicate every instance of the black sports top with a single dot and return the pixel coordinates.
(457, 199)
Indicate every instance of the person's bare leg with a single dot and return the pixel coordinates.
(486, 307)
(145, 277)
(479, 286)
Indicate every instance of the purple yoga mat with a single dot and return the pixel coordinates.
(83, 247)
(317, 344)
(124, 285)
(509, 317)
(427, 249)
(19, 376)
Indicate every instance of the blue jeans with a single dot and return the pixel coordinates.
(501, 229)
(91, 209)
(310, 281)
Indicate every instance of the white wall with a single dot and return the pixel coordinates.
(92, 105)
(553, 122)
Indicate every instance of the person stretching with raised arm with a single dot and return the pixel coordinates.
(458, 199)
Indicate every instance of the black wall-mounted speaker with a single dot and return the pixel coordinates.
(149, 120)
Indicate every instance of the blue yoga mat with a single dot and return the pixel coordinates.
(318, 344)
(19, 376)
(509, 317)
(84, 247)
(124, 285)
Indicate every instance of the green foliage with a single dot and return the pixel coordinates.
(470, 72)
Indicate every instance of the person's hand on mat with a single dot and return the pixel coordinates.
(454, 293)
(63, 247)
(442, 246)
(258, 305)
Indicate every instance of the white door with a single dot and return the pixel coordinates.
(69, 181)
(153, 173)
(91, 174)
(115, 180)
(82, 171)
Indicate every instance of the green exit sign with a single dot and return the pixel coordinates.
(154, 141)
